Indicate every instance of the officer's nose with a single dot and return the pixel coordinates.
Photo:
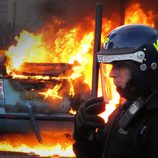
(113, 72)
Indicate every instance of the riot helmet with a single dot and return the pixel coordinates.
(135, 46)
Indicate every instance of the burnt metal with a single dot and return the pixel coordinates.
(19, 91)
(51, 117)
(97, 43)
(50, 69)
(34, 124)
(2, 65)
(11, 154)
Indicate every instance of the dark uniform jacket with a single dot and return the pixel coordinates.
(139, 139)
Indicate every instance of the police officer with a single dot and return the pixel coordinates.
(132, 129)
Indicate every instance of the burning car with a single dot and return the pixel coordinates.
(38, 99)
(41, 85)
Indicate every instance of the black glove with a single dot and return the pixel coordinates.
(86, 119)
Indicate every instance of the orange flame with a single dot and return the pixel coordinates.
(113, 96)
(62, 147)
(52, 92)
(73, 112)
(32, 48)
(135, 14)
(40, 149)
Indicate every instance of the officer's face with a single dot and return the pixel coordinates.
(121, 75)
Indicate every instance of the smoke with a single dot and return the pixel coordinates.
(74, 11)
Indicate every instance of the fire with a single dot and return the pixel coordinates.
(40, 150)
(62, 146)
(72, 92)
(111, 94)
(73, 46)
(73, 112)
(34, 50)
(52, 92)
(66, 49)
(135, 15)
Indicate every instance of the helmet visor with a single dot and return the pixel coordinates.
(108, 88)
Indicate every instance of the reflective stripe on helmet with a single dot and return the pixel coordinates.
(156, 45)
(138, 56)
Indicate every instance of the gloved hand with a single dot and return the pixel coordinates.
(86, 119)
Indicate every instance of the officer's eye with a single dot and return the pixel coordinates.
(118, 65)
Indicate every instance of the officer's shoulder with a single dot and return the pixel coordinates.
(152, 105)
(151, 118)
